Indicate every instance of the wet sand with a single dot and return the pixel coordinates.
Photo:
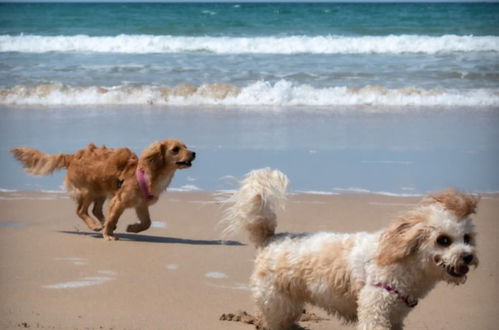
(56, 274)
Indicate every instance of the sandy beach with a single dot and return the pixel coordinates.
(55, 274)
(360, 104)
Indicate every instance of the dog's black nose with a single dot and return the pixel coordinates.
(467, 258)
(193, 155)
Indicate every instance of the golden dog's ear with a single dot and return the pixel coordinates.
(154, 155)
(460, 204)
(401, 239)
(163, 148)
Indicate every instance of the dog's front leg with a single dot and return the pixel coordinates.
(116, 208)
(144, 220)
(374, 307)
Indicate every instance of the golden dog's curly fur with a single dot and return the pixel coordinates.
(95, 174)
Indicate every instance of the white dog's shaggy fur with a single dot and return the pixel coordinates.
(374, 279)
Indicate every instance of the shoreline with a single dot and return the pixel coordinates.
(178, 274)
(7, 194)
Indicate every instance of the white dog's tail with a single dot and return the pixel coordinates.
(253, 207)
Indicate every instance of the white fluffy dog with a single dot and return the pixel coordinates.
(374, 279)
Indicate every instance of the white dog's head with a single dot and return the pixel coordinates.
(439, 235)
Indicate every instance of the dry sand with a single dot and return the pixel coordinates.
(55, 274)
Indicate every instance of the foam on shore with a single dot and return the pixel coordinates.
(260, 93)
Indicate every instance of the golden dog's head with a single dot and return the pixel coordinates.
(170, 153)
(438, 236)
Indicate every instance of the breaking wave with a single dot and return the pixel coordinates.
(144, 44)
(281, 93)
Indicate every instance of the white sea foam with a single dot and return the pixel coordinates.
(330, 44)
(52, 191)
(107, 272)
(5, 190)
(237, 286)
(172, 266)
(316, 192)
(391, 204)
(216, 275)
(85, 281)
(260, 93)
(12, 194)
(186, 188)
(357, 190)
(158, 224)
(77, 261)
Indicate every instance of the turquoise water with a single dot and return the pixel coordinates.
(250, 19)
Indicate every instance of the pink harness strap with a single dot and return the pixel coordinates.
(406, 299)
(141, 179)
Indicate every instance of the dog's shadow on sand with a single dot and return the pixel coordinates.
(156, 239)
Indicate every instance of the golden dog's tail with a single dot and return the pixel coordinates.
(253, 207)
(38, 163)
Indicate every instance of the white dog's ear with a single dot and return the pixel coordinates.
(460, 204)
(401, 239)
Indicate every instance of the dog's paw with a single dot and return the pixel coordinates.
(134, 228)
(110, 237)
(96, 227)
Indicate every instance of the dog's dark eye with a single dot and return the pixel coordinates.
(467, 239)
(444, 240)
(175, 150)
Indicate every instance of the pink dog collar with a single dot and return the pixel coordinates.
(141, 179)
(406, 299)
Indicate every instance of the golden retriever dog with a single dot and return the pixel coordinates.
(95, 174)
(374, 279)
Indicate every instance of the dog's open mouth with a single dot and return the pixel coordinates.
(186, 163)
(454, 271)
(458, 271)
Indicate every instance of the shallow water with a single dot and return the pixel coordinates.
(404, 151)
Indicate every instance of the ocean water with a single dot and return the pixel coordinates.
(250, 54)
(396, 98)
